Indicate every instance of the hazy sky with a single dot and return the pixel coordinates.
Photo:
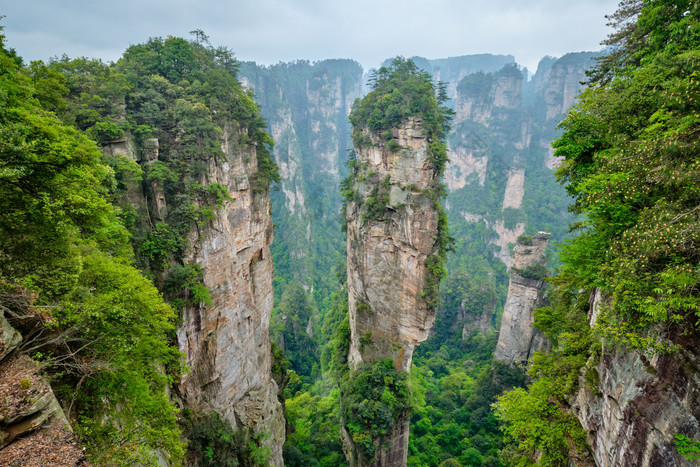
(269, 31)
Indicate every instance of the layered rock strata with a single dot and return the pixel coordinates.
(387, 255)
(640, 402)
(386, 259)
(518, 338)
(227, 344)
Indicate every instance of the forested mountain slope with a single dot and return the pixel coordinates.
(499, 186)
(620, 385)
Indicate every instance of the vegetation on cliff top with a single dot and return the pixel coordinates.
(187, 95)
(102, 330)
(400, 91)
(631, 162)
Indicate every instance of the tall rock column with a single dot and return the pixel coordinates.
(518, 338)
(391, 231)
(227, 343)
(396, 235)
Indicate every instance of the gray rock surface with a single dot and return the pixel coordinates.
(386, 265)
(227, 344)
(518, 339)
(640, 402)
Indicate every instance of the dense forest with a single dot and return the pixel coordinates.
(118, 181)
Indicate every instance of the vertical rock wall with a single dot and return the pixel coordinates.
(503, 127)
(306, 106)
(479, 322)
(386, 257)
(518, 339)
(386, 261)
(227, 344)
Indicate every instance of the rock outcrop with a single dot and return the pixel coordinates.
(34, 430)
(476, 322)
(639, 403)
(392, 224)
(478, 95)
(564, 80)
(503, 127)
(518, 339)
(386, 256)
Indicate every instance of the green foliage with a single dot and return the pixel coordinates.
(400, 91)
(159, 246)
(213, 442)
(533, 271)
(187, 95)
(106, 342)
(288, 327)
(375, 205)
(534, 417)
(185, 283)
(539, 425)
(525, 240)
(373, 400)
(630, 161)
(313, 436)
(687, 447)
(128, 328)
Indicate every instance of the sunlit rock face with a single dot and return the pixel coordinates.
(518, 338)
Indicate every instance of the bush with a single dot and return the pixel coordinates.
(374, 399)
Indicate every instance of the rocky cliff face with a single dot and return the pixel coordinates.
(640, 403)
(500, 169)
(518, 338)
(226, 344)
(480, 94)
(387, 249)
(563, 82)
(476, 322)
(386, 255)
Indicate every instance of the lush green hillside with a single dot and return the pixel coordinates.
(630, 161)
(78, 222)
(68, 279)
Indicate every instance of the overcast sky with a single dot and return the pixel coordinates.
(269, 31)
